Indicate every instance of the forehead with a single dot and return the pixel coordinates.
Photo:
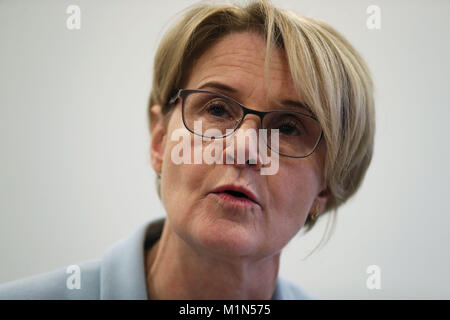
(237, 60)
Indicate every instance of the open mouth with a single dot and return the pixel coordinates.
(235, 198)
(236, 194)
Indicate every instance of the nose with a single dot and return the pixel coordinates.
(242, 147)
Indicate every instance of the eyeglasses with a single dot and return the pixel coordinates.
(299, 133)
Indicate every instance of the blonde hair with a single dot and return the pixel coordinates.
(328, 73)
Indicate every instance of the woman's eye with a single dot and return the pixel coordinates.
(217, 110)
(290, 129)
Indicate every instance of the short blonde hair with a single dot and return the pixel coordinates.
(328, 73)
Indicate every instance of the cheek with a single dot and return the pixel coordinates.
(180, 191)
(174, 177)
(179, 182)
(292, 192)
(183, 182)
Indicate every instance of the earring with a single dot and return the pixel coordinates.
(316, 213)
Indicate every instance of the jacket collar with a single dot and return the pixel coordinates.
(122, 274)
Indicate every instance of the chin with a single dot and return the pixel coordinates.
(226, 237)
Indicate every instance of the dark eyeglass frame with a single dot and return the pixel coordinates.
(183, 93)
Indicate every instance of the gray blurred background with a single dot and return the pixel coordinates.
(75, 174)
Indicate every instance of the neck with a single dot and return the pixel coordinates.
(175, 270)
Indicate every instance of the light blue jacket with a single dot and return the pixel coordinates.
(119, 275)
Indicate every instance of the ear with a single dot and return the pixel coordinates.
(321, 200)
(158, 137)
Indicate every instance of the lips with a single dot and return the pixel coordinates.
(236, 192)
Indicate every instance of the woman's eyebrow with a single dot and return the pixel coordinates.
(218, 86)
(297, 104)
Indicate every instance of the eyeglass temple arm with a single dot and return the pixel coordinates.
(175, 97)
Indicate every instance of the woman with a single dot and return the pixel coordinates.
(221, 74)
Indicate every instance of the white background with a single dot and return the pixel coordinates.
(75, 174)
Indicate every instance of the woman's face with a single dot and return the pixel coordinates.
(208, 220)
